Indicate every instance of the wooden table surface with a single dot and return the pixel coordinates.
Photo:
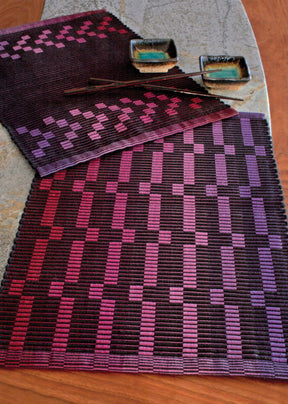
(269, 19)
(18, 12)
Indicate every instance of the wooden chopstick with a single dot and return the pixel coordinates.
(171, 89)
(119, 84)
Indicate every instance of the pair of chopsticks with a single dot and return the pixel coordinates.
(115, 84)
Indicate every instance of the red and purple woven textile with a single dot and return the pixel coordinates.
(38, 62)
(168, 257)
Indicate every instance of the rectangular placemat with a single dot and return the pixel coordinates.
(168, 257)
(39, 61)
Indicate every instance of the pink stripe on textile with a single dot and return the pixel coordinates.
(224, 214)
(190, 330)
(56, 289)
(105, 326)
(60, 175)
(228, 268)
(188, 136)
(125, 166)
(147, 330)
(267, 270)
(85, 209)
(16, 287)
(62, 329)
(154, 212)
(189, 174)
(118, 221)
(247, 132)
(21, 323)
(253, 172)
(217, 130)
(189, 213)
(75, 261)
(276, 334)
(113, 263)
(50, 208)
(189, 266)
(93, 169)
(157, 167)
(37, 259)
(259, 216)
(221, 170)
(233, 332)
(151, 264)
(46, 184)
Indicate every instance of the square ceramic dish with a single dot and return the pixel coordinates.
(235, 72)
(153, 55)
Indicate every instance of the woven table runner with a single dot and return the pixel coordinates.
(39, 61)
(168, 257)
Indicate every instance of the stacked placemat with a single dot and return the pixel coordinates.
(53, 131)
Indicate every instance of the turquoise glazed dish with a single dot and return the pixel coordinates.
(234, 71)
(153, 55)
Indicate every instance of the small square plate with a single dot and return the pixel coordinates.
(234, 74)
(153, 55)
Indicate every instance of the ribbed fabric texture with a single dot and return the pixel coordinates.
(168, 257)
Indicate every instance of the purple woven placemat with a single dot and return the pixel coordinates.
(38, 62)
(169, 257)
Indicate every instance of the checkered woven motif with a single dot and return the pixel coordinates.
(39, 62)
(168, 257)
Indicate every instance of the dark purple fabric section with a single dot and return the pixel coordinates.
(38, 62)
(165, 258)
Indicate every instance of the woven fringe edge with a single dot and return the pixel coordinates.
(145, 364)
(252, 115)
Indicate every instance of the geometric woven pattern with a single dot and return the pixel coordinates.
(39, 61)
(168, 257)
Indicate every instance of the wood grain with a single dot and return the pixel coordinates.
(31, 386)
(269, 21)
(18, 12)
